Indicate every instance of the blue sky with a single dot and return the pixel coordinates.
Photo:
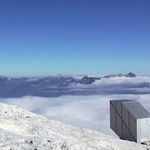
(50, 37)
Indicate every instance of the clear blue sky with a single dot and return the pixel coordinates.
(50, 37)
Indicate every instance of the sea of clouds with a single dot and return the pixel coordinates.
(82, 111)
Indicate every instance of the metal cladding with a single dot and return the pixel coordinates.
(130, 120)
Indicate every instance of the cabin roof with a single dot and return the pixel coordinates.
(135, 108)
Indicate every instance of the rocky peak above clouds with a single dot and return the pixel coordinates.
(54, 86)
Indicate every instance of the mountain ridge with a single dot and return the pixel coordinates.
(54, 86)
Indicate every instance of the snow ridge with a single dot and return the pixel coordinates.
(23, 130)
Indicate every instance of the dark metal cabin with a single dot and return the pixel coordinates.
(130, 120)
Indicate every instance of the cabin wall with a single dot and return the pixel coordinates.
(126, 126)
(143, 130)
(122, 122)
(132, 128)
(113, 116)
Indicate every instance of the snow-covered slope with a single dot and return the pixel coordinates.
(23, 130)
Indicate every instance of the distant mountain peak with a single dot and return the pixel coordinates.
(130, 74)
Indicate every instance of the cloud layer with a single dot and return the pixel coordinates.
(83, 111)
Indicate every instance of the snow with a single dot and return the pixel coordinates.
(23, 130)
